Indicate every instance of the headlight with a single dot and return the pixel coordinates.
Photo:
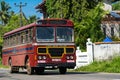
(39, 57)
(68, 57)
(44, 57)
(71, 57)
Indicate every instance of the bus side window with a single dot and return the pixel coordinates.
(26, 36)
(5, 42)
(18, 38)
(30, 35)
(8, 41)
(22, 38)
(14, 38)
(11, 41)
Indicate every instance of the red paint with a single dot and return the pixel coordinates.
(19, 52)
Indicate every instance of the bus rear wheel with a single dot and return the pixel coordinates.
(62, 70)
(30, 69)
(13, 69)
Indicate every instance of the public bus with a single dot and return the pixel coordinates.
(44, 44)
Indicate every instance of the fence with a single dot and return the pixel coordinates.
(84, 58)
(97, 51)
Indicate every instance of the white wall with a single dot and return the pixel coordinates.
(103, 51)
(97, 51)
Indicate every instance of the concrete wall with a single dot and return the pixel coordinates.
(103, 51)
(97, 51)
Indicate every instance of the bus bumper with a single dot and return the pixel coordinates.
(57, 65)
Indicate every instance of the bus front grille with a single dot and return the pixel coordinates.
(56, 52)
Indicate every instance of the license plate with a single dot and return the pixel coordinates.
(56, 60)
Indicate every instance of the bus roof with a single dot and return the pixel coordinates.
(37, 23)
(19, 29)
(54, 21)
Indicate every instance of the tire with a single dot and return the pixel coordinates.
(13, 69)
(39, 70)
(62, 70)
(30, 70)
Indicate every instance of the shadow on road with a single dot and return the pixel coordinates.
(3, 75)
(52, 72)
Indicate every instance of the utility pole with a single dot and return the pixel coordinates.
(20, 6)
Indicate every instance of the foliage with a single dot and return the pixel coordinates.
(116, 6)
(68, 9)
(10, 20)
(1, 34)
(89, 27)
(1, 38)
(5, 12)
(32, 19)
(103, 66)
(85, 14)
(14, 23)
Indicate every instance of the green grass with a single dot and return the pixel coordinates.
(2, 66)
(112, 66)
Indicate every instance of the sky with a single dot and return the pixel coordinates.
(29, 9)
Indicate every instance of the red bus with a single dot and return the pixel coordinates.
(45, 44)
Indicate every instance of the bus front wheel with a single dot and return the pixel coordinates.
(62, 70)
(30, 69)
(39, 70)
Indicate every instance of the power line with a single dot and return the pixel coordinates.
(20, 6)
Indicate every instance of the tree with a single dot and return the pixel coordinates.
(1, 35)
(1, 39)
(89, 27)
(14, 23)
(32, 19)
(116, 6)
(85, 14)
(68, 9)
(4, 12)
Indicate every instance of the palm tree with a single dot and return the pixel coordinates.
(4, 12)
(32, 18)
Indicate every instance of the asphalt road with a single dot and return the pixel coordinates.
(54, 75)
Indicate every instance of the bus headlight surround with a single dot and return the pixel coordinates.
(39, 57)
(42, 57)
(69, 57)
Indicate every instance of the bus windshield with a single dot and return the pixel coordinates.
(64, 34)
(50, 34)
(45, 34)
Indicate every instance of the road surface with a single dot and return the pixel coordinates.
(54, 75)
